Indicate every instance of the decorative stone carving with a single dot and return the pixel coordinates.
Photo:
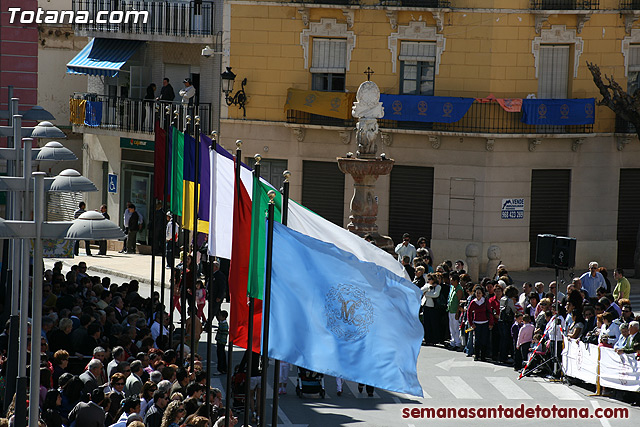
(473, 261)
(416, 31)
(489, 144)
(393, 18)
(368, 109)
(582, 19)
(533, 144)
(387, 138)
(439, 17)
(558, 34)
(576, 143)
(540, 19)
(327, 28)
(629, 18)
(366, 168)
(298, 133)
(622, 142)
(304, 13)
(435, 141)
(349, 14)
(345, 136)
(494, 254)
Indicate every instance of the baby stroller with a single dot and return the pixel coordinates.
(309, 382)
(238, 388)
(541, 361)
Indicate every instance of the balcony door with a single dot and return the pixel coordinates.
(176, 73)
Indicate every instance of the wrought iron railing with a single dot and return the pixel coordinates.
(167, 18)
(565, 4)
(481, 118)
(623, 126)
(133, 115)
(629, 5)
(417, 3)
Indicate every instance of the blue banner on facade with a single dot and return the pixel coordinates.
(415, 108)
(559, 112)
(93, 114)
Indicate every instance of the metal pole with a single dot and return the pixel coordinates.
(194, 307)
(167, 112)
(12, 273)
(256, 174)
(266, 305)
(210, 301)
(36, 327)
(173, 253)
(276, 373)
(21, 386)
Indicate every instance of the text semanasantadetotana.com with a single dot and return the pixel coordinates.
(521, 411)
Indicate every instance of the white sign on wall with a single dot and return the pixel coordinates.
(512, 208)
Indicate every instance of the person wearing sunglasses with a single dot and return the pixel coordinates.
(173, 414)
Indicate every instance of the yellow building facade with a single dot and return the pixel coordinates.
(572, 180)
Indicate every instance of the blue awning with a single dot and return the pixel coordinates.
(103, 57)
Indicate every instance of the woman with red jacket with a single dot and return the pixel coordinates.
(480, 319)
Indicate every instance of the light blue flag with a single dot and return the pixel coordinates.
(335, 314)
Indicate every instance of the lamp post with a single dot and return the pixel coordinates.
(14, 132)
(240, 97)
(90, 225)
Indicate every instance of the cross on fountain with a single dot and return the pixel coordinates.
(368, 72)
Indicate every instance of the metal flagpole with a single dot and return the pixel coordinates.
(167, 129)
(266, 305)
(153, 235)
(276, 373)
(172, 280)
(227, 412)
(256, 174)
(194, 307)
(210, 301)
(185, 254)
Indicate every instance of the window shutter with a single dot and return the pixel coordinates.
(417, 51)
(329, 56)
(553, 75)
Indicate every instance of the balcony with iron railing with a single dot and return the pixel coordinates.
(116, 114)
(482, 118)
(630, 5)
(565, 4)
(434, 4)
(183, 21)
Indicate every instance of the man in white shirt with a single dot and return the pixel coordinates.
(405, 248)
(188, 92)
(592, 279)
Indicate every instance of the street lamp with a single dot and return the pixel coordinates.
(54, 151)
(240, 97)
(47, 130)
(70, 180)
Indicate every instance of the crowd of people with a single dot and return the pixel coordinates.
(107, 361)
(493, 320)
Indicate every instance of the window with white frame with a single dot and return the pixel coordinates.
(633, 69)
(328, 64)
(417, 68)
(553, 71)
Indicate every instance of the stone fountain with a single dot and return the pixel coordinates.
(365, 167)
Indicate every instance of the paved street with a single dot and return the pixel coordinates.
(449, 379)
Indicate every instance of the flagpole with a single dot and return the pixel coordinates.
(256, 174)
(227, 411)
(276, 373)
(266, 305)
(185, 254)
(210, 301)
(174, 219)
(167, 128)
(194, 307)
(154, 232)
